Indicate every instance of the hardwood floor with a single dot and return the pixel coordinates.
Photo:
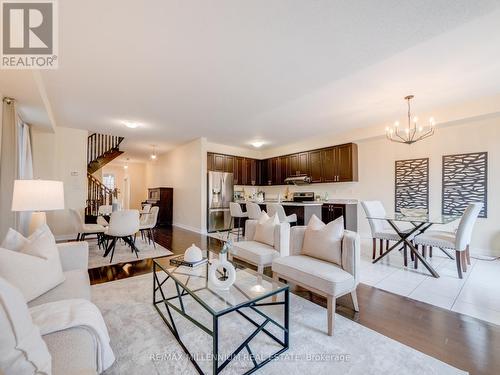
(462, 341)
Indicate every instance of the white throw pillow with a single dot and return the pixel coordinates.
(264, 231)
(35, 267)
(14, 240)
(22, 349)
(324, 241)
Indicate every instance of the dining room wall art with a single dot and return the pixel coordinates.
(412, 184)
(465, 180)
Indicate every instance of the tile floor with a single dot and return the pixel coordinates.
(477, 294)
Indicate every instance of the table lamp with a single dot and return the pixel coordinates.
(37, 196)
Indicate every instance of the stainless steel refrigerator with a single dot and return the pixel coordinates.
(220, 194)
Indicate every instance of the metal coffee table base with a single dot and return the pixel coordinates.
(214, 332)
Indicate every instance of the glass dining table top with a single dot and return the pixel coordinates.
(430, 219)
(248, 286)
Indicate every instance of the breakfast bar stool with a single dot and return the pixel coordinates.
(253, 210)
(237, 213)
(275, 208)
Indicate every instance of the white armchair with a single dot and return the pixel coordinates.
(327, 279)
(258, 253)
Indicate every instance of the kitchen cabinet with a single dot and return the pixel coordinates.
(315, 166)
(219, 163)
(332, 211)
(329, 164)
(346, 162)
(328, 172)
(238, 175)
(283, 169)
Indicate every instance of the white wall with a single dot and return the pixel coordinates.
(376, 173)
(184, 169)
(62, 155)
(136, 174)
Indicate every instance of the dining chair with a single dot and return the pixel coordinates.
(83, 229)
(104, 210)
(237, 213)
(253, 210)
(380, 229)
(275, 208)
(458, 241)
(122, 225)
(147, 228)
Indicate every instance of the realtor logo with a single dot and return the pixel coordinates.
(29, 34)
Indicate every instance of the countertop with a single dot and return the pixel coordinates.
(305, 204)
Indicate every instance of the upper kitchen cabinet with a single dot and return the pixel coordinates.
(238, 173)
(315, 171)
(346, 162)
(329, 164)
(339, 163)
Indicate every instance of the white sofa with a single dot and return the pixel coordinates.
(258, 253)
(324, 278)
(73, 350)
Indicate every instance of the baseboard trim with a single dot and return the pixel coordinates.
(192, 229)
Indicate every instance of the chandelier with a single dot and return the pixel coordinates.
(411, 133)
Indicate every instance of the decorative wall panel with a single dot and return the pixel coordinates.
(465, 180)
(412, 184)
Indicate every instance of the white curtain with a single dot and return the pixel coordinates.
(8, 165)
(25, 168)
(15, 163)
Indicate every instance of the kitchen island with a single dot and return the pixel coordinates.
(326, 211)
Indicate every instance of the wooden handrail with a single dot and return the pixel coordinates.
(100, 144)
(97, 195)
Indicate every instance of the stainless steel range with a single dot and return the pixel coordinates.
(304, 196)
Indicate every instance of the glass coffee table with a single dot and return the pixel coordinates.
(176, 289)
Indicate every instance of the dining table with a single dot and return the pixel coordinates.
(419, 224)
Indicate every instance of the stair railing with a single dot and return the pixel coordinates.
(97, 195)
(99, 144)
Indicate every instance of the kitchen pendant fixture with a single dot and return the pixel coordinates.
(153, 155)
(413, 132)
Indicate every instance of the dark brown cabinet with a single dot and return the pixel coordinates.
(328, 172)
(238, 176)
(332, 211)
(163, 197)
(315, 166)
(329, 164)
(347, 162)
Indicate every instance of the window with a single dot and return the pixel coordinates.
(109, 181)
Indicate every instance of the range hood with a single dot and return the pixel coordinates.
(298, 180)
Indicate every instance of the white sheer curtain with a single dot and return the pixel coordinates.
(15, 163)
(24, 168)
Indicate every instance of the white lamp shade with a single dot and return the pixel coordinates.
(38, 195)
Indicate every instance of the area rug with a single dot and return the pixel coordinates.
(123, 253)
(143, 344)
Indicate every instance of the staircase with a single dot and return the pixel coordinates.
(101, 149)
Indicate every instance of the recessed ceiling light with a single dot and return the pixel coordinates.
(131, 125)
(257, 144)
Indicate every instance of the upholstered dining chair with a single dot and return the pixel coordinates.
(380, 229)
(147, 227)
(458, 241)
(275, 208)
(236, 215)
(83, 229)
(106, 210)
(253, 210)
(122, 225)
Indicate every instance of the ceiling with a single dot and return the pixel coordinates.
(281, 70)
